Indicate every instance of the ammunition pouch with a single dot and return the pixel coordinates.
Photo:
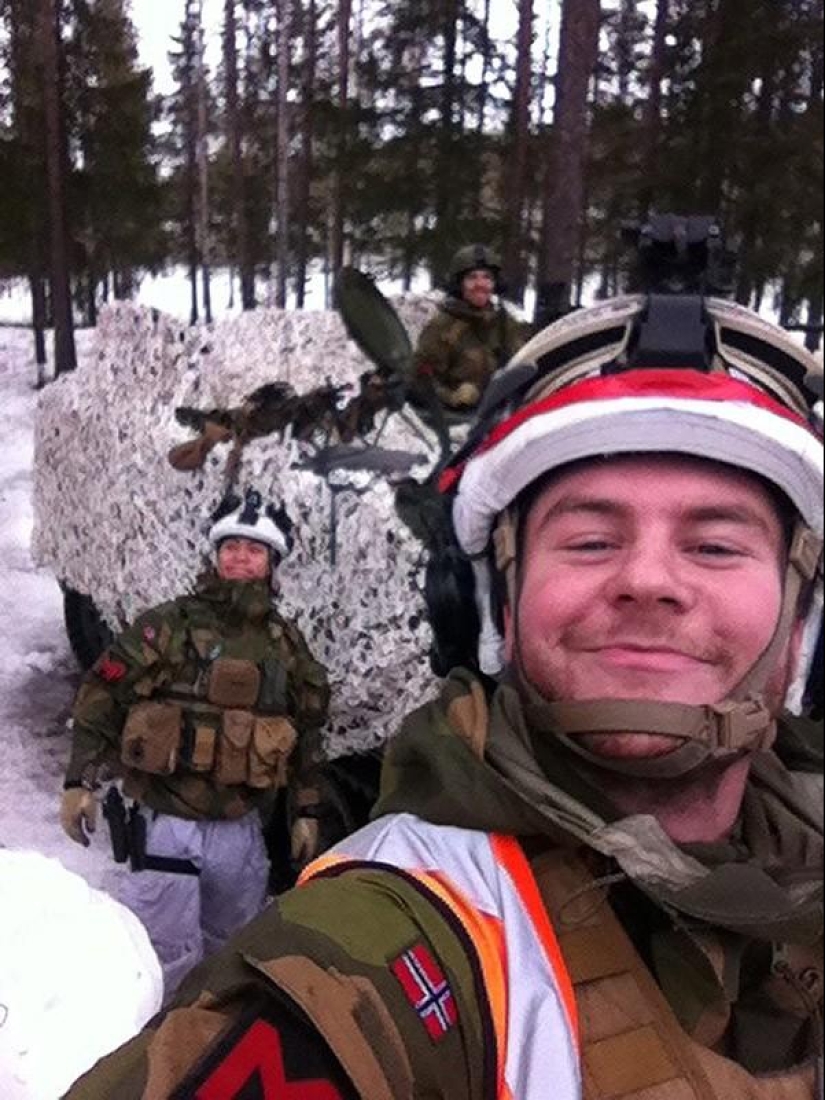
(231, 744)
(233, 683)
(151, 737)
(273, 740)
(232, 767)
(199, 740)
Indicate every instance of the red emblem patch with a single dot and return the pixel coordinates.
(111, 671)
(427, 990)
(258, 1053)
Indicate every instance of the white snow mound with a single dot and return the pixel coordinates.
(78, 976)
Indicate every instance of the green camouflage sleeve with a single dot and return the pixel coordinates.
(432, 352)
(309, 694)
(125, 673)
(335, 956)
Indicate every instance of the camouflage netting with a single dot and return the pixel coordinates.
(114, 520)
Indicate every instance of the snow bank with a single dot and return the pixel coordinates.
(114, 520)
(78, 976)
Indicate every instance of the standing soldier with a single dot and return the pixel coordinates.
(590, 872)
(206, 707)
(471, 336)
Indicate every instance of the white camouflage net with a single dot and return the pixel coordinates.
(114, 520)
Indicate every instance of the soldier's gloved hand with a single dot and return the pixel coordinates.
(78, 814)
(305, 838)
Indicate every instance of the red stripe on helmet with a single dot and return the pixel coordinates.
(685, 384)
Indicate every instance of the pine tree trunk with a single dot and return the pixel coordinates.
(652, 117)
(338, 213)
(38, 296)
(240, 220)
(21, 62)
(564, 191)
(446, 190)
(282, 157)
(189, 96)
(515, 174)
(486, 58)
(65, 358)
(308, 153)
(204, 241)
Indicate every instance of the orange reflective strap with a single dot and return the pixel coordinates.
(510, 856)
(487, 935)
(320, 866)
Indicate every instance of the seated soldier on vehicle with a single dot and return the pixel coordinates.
(207, 707)
(471, 336)
(592, 876)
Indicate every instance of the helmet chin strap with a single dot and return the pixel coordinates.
(741, 724)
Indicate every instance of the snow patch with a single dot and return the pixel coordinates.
(78, 976)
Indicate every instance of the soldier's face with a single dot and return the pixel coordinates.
(648, 578)
(243, 560)
(478, 287)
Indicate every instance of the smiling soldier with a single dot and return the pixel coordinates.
(206, 707)
(472, 336)
(590, 873)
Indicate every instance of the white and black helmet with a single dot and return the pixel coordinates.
(251, 519)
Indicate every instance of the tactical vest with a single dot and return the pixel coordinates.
(576, 1010)
(229, 723)
(632, 1045)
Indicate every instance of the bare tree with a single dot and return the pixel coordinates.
(515, 173)
(51, 70)
(563, 206)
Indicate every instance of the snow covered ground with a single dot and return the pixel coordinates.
(38, 674)
(77, 973)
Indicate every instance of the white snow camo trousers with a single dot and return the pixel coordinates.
(188, 916)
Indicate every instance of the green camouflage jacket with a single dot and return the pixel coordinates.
(166, 655)
(307, 988)
(462, 347)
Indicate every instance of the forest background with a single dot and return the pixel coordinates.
(387, 133)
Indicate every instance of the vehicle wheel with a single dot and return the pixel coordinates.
(87, 630)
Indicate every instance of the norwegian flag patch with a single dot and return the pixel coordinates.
(427, 990)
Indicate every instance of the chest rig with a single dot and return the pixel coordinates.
(633, 1046)
(218, 708)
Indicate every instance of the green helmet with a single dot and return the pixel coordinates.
(472, 257)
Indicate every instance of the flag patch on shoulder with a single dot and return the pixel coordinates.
(110, 670)
(428, 991)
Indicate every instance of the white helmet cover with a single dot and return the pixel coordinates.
(727, 417)
(254, 521)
